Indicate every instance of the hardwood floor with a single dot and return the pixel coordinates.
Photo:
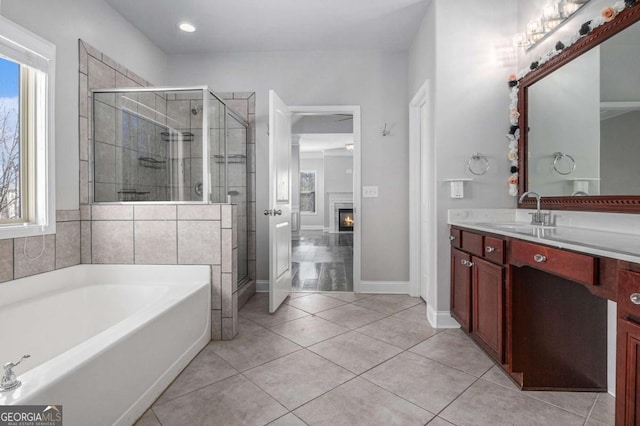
(323, 262)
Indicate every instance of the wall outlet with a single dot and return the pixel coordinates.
(369, 192)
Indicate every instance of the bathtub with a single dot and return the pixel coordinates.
(104, 340)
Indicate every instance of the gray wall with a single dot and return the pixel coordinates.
(63, 22)
(467, 58)
(375, 80)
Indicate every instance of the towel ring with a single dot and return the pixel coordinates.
(478, 164)
(562, 156)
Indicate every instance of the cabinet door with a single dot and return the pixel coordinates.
(488, 307)
(628, 374)
(461, 288)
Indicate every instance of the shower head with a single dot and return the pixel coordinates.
(196, 110)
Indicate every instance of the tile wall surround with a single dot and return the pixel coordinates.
(164, 233)
(243, 104)
(20, 257)
(190, 234)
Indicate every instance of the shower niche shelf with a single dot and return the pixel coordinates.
(151, 163)
(231, 159)
(133, 195)
(177, 137)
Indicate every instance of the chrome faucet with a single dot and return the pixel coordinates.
(9, 381)
(538, 217)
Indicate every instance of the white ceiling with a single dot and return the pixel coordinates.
(261, 25)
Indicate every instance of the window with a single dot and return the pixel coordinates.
(308, 191)
(27, 64)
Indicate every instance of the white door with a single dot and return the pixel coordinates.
(279, 211)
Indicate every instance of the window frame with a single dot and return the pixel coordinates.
(315, 192)
(36, 57)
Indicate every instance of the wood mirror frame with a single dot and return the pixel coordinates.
(601, 203)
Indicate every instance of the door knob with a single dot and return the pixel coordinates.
(278, 212)
(635, 298)
(267, 212)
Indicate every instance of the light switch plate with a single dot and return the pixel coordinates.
(457, 189)
(369, 192)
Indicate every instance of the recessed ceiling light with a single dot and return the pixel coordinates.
(187, 27)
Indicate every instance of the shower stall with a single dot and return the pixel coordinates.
(170, 145)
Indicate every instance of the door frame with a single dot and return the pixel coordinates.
(357, 175)
(422, 158)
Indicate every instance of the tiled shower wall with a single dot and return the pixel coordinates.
(243, 104)
(154, 234)
(170, 235)
(21, 257)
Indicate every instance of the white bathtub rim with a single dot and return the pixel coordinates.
(36, 286)
(53, 370)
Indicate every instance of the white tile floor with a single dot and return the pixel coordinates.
(345, 359)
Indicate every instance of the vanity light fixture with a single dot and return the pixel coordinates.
(552, 16)
(187, 27)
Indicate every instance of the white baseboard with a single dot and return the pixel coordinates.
(312, 228)
(325, 229)
(440, 319)
(262, 286)
(385, 287)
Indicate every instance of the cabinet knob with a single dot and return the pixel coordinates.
(452, 237)
(466, 263)
(635, 298)
(490, 249)
(540, 258)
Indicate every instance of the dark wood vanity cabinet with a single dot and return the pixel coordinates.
(628, 349)
(477, 288)
(488, 307)
(461, 288)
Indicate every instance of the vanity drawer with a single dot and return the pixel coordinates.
(472, 243)
(574, 266)
(455, 236)
(494, 249)
(628, 289)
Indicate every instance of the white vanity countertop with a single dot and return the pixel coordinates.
(610, 235)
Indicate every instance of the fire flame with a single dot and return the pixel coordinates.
(348, 221)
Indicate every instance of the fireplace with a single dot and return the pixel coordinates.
(346, 221)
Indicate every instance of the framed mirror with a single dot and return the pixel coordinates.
(580, 122)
